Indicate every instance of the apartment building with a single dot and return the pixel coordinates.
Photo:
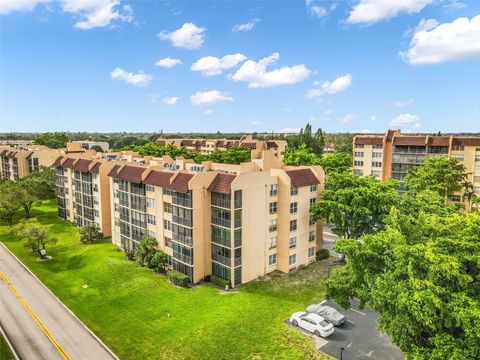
(83, 191)
(235, 221)
(15, 164)
(206, 146)
(87, 144)
(392, 155)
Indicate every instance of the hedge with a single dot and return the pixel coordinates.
(178, 278)
(323, 254)
(219, 281)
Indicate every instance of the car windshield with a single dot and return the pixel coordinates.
(323, 323)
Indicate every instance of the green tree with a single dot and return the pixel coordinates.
(146, 250)
(90, 233)
(468, 195)
(301, 156)
(53, 140)
(335, 163)
(423, 279)
(10, 200)
(34, 235)
(159, 262)
(97, 148)
(355, 205)
(233, 155)
(440, 174)
(318, 144)
(32, 189)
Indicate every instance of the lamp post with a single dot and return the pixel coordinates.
(341, 353)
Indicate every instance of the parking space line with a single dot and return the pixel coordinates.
(359, 312)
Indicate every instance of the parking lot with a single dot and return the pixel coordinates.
(358, 337)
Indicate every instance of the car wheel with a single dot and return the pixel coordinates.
(316, 332)
(295, 323)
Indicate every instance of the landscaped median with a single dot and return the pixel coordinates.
(140, 315)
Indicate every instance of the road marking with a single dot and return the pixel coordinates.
(349, 345)
(359, 312)
(35, 317)
(351, 322)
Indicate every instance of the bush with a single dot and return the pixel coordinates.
(178, 278)
(90, 233)
(323, 254)
(219, 281)
(159, 262)
(130, 254)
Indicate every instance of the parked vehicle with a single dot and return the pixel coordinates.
(313, 323)
(328, 313)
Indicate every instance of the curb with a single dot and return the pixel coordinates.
(61, 303)
(12, 349)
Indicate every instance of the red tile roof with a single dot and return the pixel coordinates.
(410, 140)
(186, 143)
(222, 183)
(249, 145)
(113, 171)
(11, 154)
(368, 140)
(129, 173)
(96, 168)
(68, 163)
(439, 140)
(272, 144)
(58, 161)
(180, 183)
(4, 152)
(161, 142)
(158, 178)
(302, 177)
(82, 165)
(466, 141)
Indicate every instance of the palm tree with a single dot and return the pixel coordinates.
(469, 195)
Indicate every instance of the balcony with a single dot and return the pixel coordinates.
(183, 258)
(182, 221)
(221, 259)
(223, 203)
(181, 202)
(237, 261)
(221, 221)
(183, 239)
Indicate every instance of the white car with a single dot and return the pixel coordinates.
(313, 323)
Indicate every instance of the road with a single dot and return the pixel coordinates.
(37, 324)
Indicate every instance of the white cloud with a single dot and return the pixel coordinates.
(168, 62)
(256, 123)
(289, 130)
(141, 79)
(211, 65)
(347, 118)
(340, 84)
(170, 100)
(455, 5)
(257, 76)
(434, 43)
(189, 36)
(245, 27)
(405, 121)
(403, 103)
(364, 131)
(9, 6)
(315, 10)
(208, 112)
(372, 11)
(373, 118)
(209, 97)
(97, 13)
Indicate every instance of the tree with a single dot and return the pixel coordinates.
(301, 156)
(335, 163)
(159, 262)
(233, 155)
(10, 200)
(440, 174)
(318, 144)
(34, 236)
(53, 140)
(423, 279)
(469, 195)
(97, 148)
(145, 250)
(90, 233)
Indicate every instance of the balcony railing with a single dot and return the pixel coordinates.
(184, 239)
(221, 259)
(182, 202)
(237, 261)
(221, 221)
(223, 203)
(183, 258)
(182, 221)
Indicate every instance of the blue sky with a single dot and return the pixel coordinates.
(361, 65)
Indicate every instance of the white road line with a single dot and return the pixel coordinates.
(359, 312)
(351, 322)
(349, 345)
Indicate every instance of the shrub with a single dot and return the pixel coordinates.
(145, 250)
(219, 281)
(323, 254)
(130, 254)
(178, 278)
(159, 262)
(90, 233)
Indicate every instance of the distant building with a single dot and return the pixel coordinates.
(17, 144)
(15, 164)
(86, 144)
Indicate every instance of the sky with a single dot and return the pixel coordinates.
(239, 66)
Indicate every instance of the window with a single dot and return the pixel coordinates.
(313, 201)
(293, 208)
(311, 251)
(458, 148)
(150, 188)
(272, 259)
(458, 157)
(359, 153)
(150, 202)
(273, 242)
(151, 233)
(313, 188)
(151, 219)
(311, 236)
(358, 163)
(477, 157)
(273, 225)
(292, 259)
(376, 164)
(358, 172)
(377, 154)
(476, 179)
(292, 242)
(293, 225)
(96, 213)
(168, 242)
(273, 207)
(293, 191)
(311, 220)
(359, 146)
(167, 225)
(167, 207)
(378, 146)
(273, 190)
(455, 198)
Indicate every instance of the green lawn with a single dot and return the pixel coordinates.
(140, 315)
(5, 352)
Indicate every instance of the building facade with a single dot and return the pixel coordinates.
(393, 155)
(15, 164)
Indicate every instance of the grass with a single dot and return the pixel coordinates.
(5, 352)
(140, 315)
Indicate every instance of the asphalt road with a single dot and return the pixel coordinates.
(37, 324)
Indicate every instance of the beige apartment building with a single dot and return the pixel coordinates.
(206, 146)
(392, 155)
(15, 164)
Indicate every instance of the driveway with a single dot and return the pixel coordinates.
(358, 337)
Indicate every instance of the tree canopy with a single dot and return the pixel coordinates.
(53, 140)
(300, 156)
(90, 233)
(336, 163)
(34, 235)
(10, 200)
